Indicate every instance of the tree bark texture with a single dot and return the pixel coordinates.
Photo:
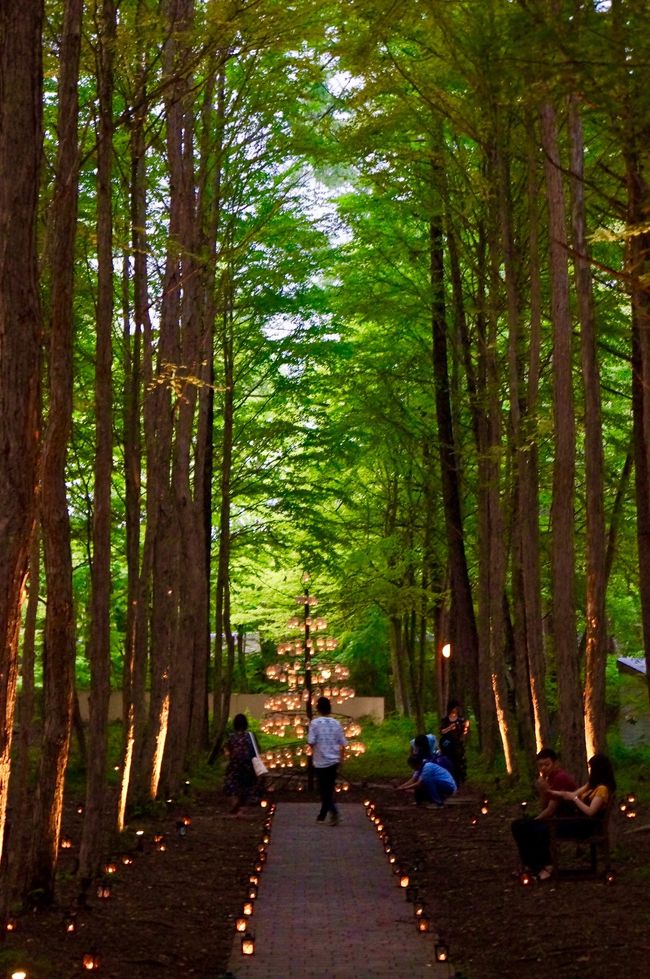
(91, 849)
(570, 723)
(21, 140)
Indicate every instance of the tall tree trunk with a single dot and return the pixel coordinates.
(59, 645)
(595, 613)
(463, 623)
(135, 653)
(20, 328)
(528, 480)
(223, 628)
(91, 849)
(571, 725)
(522, 679)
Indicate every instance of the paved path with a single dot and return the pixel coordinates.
(329, 906)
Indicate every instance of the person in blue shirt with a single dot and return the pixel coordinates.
(430, 781)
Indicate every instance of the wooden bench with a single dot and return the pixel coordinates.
(573, 830)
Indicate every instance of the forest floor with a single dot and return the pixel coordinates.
(171, 912)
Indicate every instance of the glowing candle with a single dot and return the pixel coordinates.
(442, 951)
(248, 944)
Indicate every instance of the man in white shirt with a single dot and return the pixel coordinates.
(328, 745)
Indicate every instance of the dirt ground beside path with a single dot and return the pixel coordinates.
(171, 913)
(497, 928)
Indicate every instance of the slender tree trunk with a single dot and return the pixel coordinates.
(528, 479)
(595, 613)
(59, 645)
(135, 653)
(222, 616)
(465, 639)
(91, 849)
(571, 725)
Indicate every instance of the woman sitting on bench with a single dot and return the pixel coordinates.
(592, 799)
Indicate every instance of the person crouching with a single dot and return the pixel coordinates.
(430, 782)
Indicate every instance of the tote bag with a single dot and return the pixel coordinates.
(258, 765)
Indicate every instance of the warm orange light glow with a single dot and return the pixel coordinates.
(503, 726)
(446, 650)
(161, 737)
(126, 772)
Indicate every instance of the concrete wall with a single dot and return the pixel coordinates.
(253, 704)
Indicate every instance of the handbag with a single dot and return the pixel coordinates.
(258, 765)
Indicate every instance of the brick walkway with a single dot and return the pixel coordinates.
(329, 906)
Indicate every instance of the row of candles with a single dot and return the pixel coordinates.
(405, 881)
(242, 922)
(91, 960)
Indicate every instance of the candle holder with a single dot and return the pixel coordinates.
(247, 909)
(91, 962)
(139, 843)
(441, 950)
(66, 843)
(422, 924)
(248, 943)
(110, 867)
(241, 923)
(526, 878)
(70, 923)
(20, 974)
(404, 880)
(11, 924)
(127, 859)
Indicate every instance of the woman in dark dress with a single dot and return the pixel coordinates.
(240, 781)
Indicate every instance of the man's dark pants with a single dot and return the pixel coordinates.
(326, 778)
